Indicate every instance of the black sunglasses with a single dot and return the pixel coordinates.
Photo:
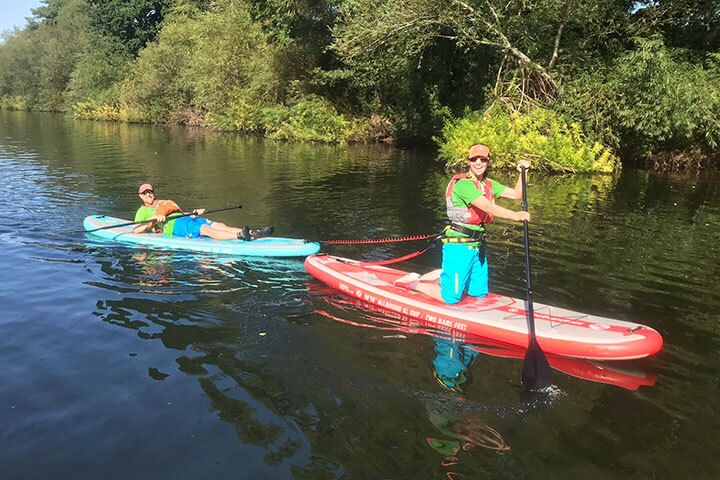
(147, 192)
(482, 159)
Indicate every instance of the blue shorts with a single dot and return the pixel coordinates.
(464, 268)
(189, 226)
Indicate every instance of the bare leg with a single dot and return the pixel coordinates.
(224, 228)
(426, 284)
(432, 290)
(209, 231)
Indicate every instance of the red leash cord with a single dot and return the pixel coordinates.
(378, 240)
(401, 259)
(433, 236)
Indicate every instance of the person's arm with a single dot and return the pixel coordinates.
(516, 193)
(144, 227)
(501, 212)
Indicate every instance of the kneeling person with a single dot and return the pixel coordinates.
(470, 204)
(161, 213)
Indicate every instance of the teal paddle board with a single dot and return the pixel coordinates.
(262, 247)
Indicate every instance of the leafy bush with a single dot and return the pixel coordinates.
(543, 136)
(241, 114)
(214, 63)
(19, 68)
(36, 63)
(91, 110)
(311, 119)
(15, 102)
(650, 100)
(59, 46)
(372, 129)
(232, 63)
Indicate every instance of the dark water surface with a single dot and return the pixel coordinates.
(121, 363)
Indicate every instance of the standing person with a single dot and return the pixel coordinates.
(190, 226)
(470, 202)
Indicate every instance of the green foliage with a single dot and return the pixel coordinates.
(98, 71)
(154, 90)
(240, 114)
(311, 119)
(134, 23)
(406, 74)
(91, 110)
(62, 44)
(157, 87)
(232, 64)
(48, 11)
(411, 55)
(14, 103)
(213, 62)
(20, 67)
(300, 19)
(649, 100)
(691, 24)
(539, 134)
(372, 129)
(37, 63)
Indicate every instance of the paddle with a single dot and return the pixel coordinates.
(171, 218)
(536, 371)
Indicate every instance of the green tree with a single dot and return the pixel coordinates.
(206, 65)
(423, 55)
(60, 45)
(133, 22)
(692, 24)
(37, 63)
(650, 100)
(98, 72)
(19, 66)
(48, 11)
(157, 87)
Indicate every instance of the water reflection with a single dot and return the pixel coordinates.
(163, 297)
(458, 430)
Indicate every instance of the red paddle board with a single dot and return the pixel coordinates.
(496, 317)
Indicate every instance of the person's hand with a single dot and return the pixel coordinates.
(522, 216)
(159, 218)
(198, 211)
(523, 163)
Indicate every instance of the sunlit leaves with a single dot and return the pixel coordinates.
(541, 135)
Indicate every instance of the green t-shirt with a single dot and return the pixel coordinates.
(144, 213)
(464, 193)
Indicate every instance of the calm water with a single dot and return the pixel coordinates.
(124, 363)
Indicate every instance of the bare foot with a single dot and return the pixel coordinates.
(408, 281)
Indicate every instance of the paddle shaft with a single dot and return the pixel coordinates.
(536, 372)
(172, 218)
(528, 275)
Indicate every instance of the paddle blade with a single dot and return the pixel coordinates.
(536, 371)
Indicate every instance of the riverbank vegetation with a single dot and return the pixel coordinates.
(575, 85)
